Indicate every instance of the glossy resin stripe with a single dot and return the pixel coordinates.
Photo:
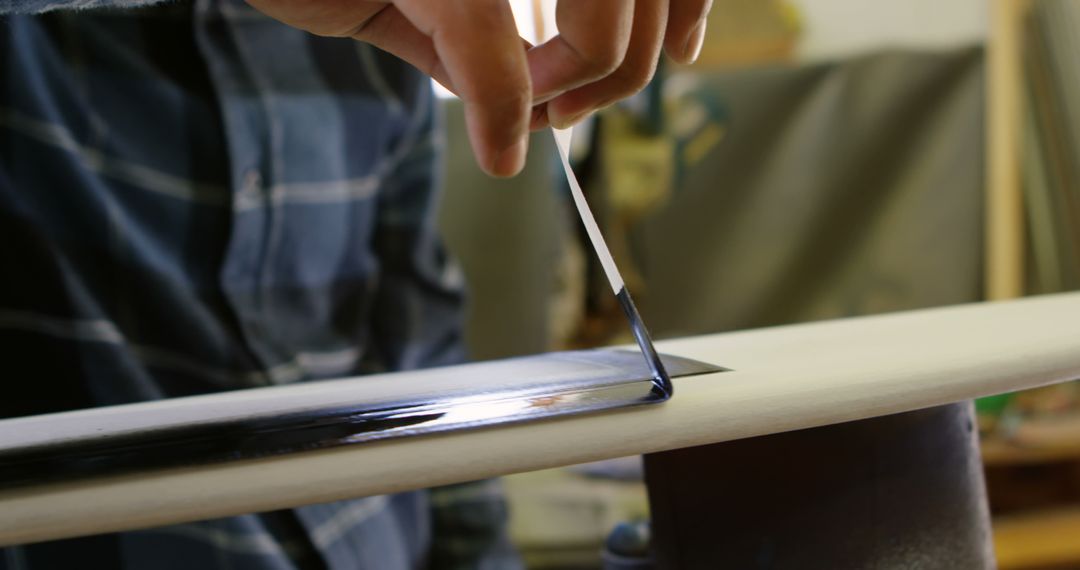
(121, 439)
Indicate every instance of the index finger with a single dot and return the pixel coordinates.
(592, 42)
(478, 45)
(686, 29)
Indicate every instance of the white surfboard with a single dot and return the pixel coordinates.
(781, 379)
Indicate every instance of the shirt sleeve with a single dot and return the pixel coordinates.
(470, 524)
(417, 315)
(39, 6)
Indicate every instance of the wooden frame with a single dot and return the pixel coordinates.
(1004, 209)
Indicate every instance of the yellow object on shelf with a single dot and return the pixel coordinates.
(746, 32)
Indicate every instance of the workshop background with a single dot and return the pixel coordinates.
(823, 159)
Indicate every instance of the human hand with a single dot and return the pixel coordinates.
(606, 50)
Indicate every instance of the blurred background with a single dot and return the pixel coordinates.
(822, 159)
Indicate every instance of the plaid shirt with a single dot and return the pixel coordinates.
(195, 198)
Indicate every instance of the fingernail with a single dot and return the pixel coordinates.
(541, 98)
(693, 44)
(510, 160)
(567, 122)
(539, 118)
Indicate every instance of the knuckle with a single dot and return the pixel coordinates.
(367, 27)
(510, 98)
(640, 77)
(517, 95)
(633, 77)
(365, 31)
(607, 61)
(601, 61)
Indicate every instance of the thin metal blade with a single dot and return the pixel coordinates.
(661, 380)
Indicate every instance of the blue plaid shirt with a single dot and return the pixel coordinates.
(194, 198)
